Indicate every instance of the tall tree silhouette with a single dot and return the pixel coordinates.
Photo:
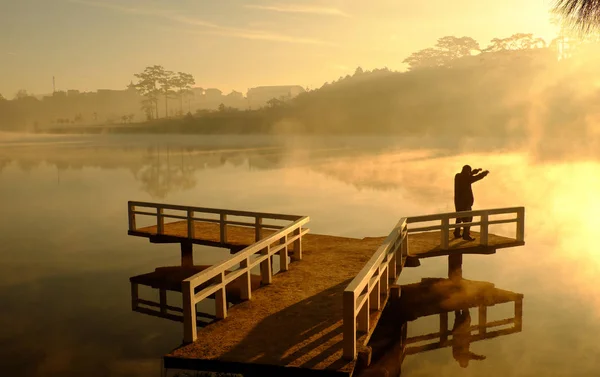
(148, 85)
(166, 81)
(183, 82)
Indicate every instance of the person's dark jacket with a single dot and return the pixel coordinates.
(463, 193)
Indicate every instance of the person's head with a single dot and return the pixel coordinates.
(466, 169)
(464, 363)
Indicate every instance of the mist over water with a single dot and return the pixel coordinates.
(67, 257)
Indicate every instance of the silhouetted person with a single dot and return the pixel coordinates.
(463, 197)
(461, 339)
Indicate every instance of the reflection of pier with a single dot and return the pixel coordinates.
(445, 298)
(480, 295)
(313, 315)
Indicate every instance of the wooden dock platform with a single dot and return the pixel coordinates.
(296, 323)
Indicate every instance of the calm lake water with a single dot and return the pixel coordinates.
(66, 256)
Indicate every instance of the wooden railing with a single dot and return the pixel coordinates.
(363, 294)
(484, 222)
(444, 337)
(190, 214)
(214, 280)
(218, 275)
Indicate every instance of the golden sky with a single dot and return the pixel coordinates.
(236, 44)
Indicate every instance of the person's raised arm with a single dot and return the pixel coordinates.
(480, 176)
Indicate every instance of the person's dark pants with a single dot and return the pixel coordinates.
(466, 229)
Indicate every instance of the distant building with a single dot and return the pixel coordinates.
(259, 96)
(213, 93)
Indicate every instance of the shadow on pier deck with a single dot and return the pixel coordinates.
(295, 323)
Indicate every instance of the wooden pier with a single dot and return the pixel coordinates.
(318, 311)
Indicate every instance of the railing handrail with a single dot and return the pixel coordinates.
(275, 216)
(365, 289)
(213, 271)
(453, 215)
(362, 278)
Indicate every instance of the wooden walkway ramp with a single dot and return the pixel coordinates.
(311, 318)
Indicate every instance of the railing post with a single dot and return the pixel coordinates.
(283, 255)
(392, 267)
(375, 296)
(266, 270)
(223, 226)
(349, 325)
(189, 313)
(131, 210)
(404, 247)
(362, 316)
(246, 282)
(385, 280)
(445, 233)
(521, 224)
(160, 221)
(221, 298)
(258, 229)
(190, 224)
(297, 245)
(483, 235)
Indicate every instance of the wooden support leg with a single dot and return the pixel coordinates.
(163, 300)
(187, 254)
(482, 319)
(455, 266)
(443, 328)
(134, 295)
(519, 314)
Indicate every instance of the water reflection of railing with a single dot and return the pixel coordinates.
(446, 337)
(390, 344)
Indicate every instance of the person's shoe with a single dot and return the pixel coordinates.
(468, 238)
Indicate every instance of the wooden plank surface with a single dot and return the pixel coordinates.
(297, 320)
(427, 244)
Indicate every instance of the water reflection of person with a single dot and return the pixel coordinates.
(461, 339)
